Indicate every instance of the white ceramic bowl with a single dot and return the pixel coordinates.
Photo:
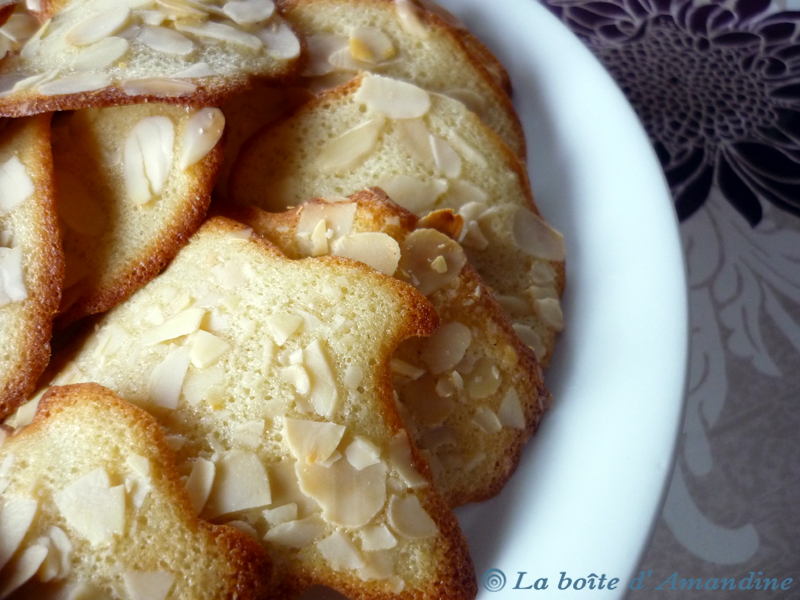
(590, 484)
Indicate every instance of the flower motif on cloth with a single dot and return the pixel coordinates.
(717, 87)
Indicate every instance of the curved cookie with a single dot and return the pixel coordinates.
(119, 232)
(31, 258)
(472, 394)
(427, 152)
(273, 376)
(108, 513)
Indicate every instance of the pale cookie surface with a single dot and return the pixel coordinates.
(427, 152)
(133, 183)
(94, 53)
(471, 394)
(31, 259)
(271, 378)
(92, 507)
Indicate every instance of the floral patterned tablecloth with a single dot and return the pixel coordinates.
(717, 88)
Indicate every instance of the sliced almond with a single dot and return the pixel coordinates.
(160, 87)
(147, 157)
(338, 217)
(531, 338)
(486, 420)
(484, 379)
(162, 39)
(26, 567)
(409, 519)
(447, 160)
(348, 497)
(12, 282)
(320, 49)
(97, 26)
(378, 250)
(241, 483)
(549, 309)
(410, 20)
(280, 514)
(420, 248)
(444, 221)
(370, 45)
(16, 516)
(362, 453)
(223, 33)
(207, 349)
(392, 98)
(415, 138)
(185, 322)
(405, 369)
(196, 70)
(400, 459)
(75, 84)
(340, 553)
(377, 537)
(64, 548)
(535, 237)
(16, 185)
(510, 412)
(101, 55)
(461, 146)
(445, 348)
(353, 376)
(324, 394)
(280, 40)
(202, 132)
(312, 441)
(91, 507)
(297, 533)
(200, 482)
(167, 377)
(205, 385)
(282, 326)
(249, 11)
(148, 585)
(379, 564)
(351, 148)
(412, 194)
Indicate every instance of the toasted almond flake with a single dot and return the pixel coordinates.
(324, 395)
(338, 217)
(535, 237)
(444, 221)
(75, 84)
(409, 519)
(207, 349)
(91, 507)
(377, 537)
(351, 148)
(25, 568)
(12, 281)
(415, 138)
(202, 132)
(406, 369)
(370, 45)
(412, 194)
(410, 20)
(312, 441)
(282, 326)
(148, 585)
(510, 413)
(280, 514)
(340, 553)
(484, 380)
(280, 40)
(101, 55)
(445, 348)
(297, 533)
(165, 40)
(147, 158)
(249, 11)
(16, 185)
(486, 420)
(549, 309)
(419, 249)
(392, 98)
(400, 459)
(16, 516)
(348, 497)
(362, 453)
(531, 338)
(160, 87)
(353, 376)
(79, 209)
(241, 483)
(167, 377)
(97, 26)
(447, 160)
(200, 482)
(224, 33)
(185, 322)
(378, 250)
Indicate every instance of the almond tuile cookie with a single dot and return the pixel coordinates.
(428, 152)
(97, 53)
(133, 184)
(107, 513)
(472, 394)
(31, 258)
(271, 378)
